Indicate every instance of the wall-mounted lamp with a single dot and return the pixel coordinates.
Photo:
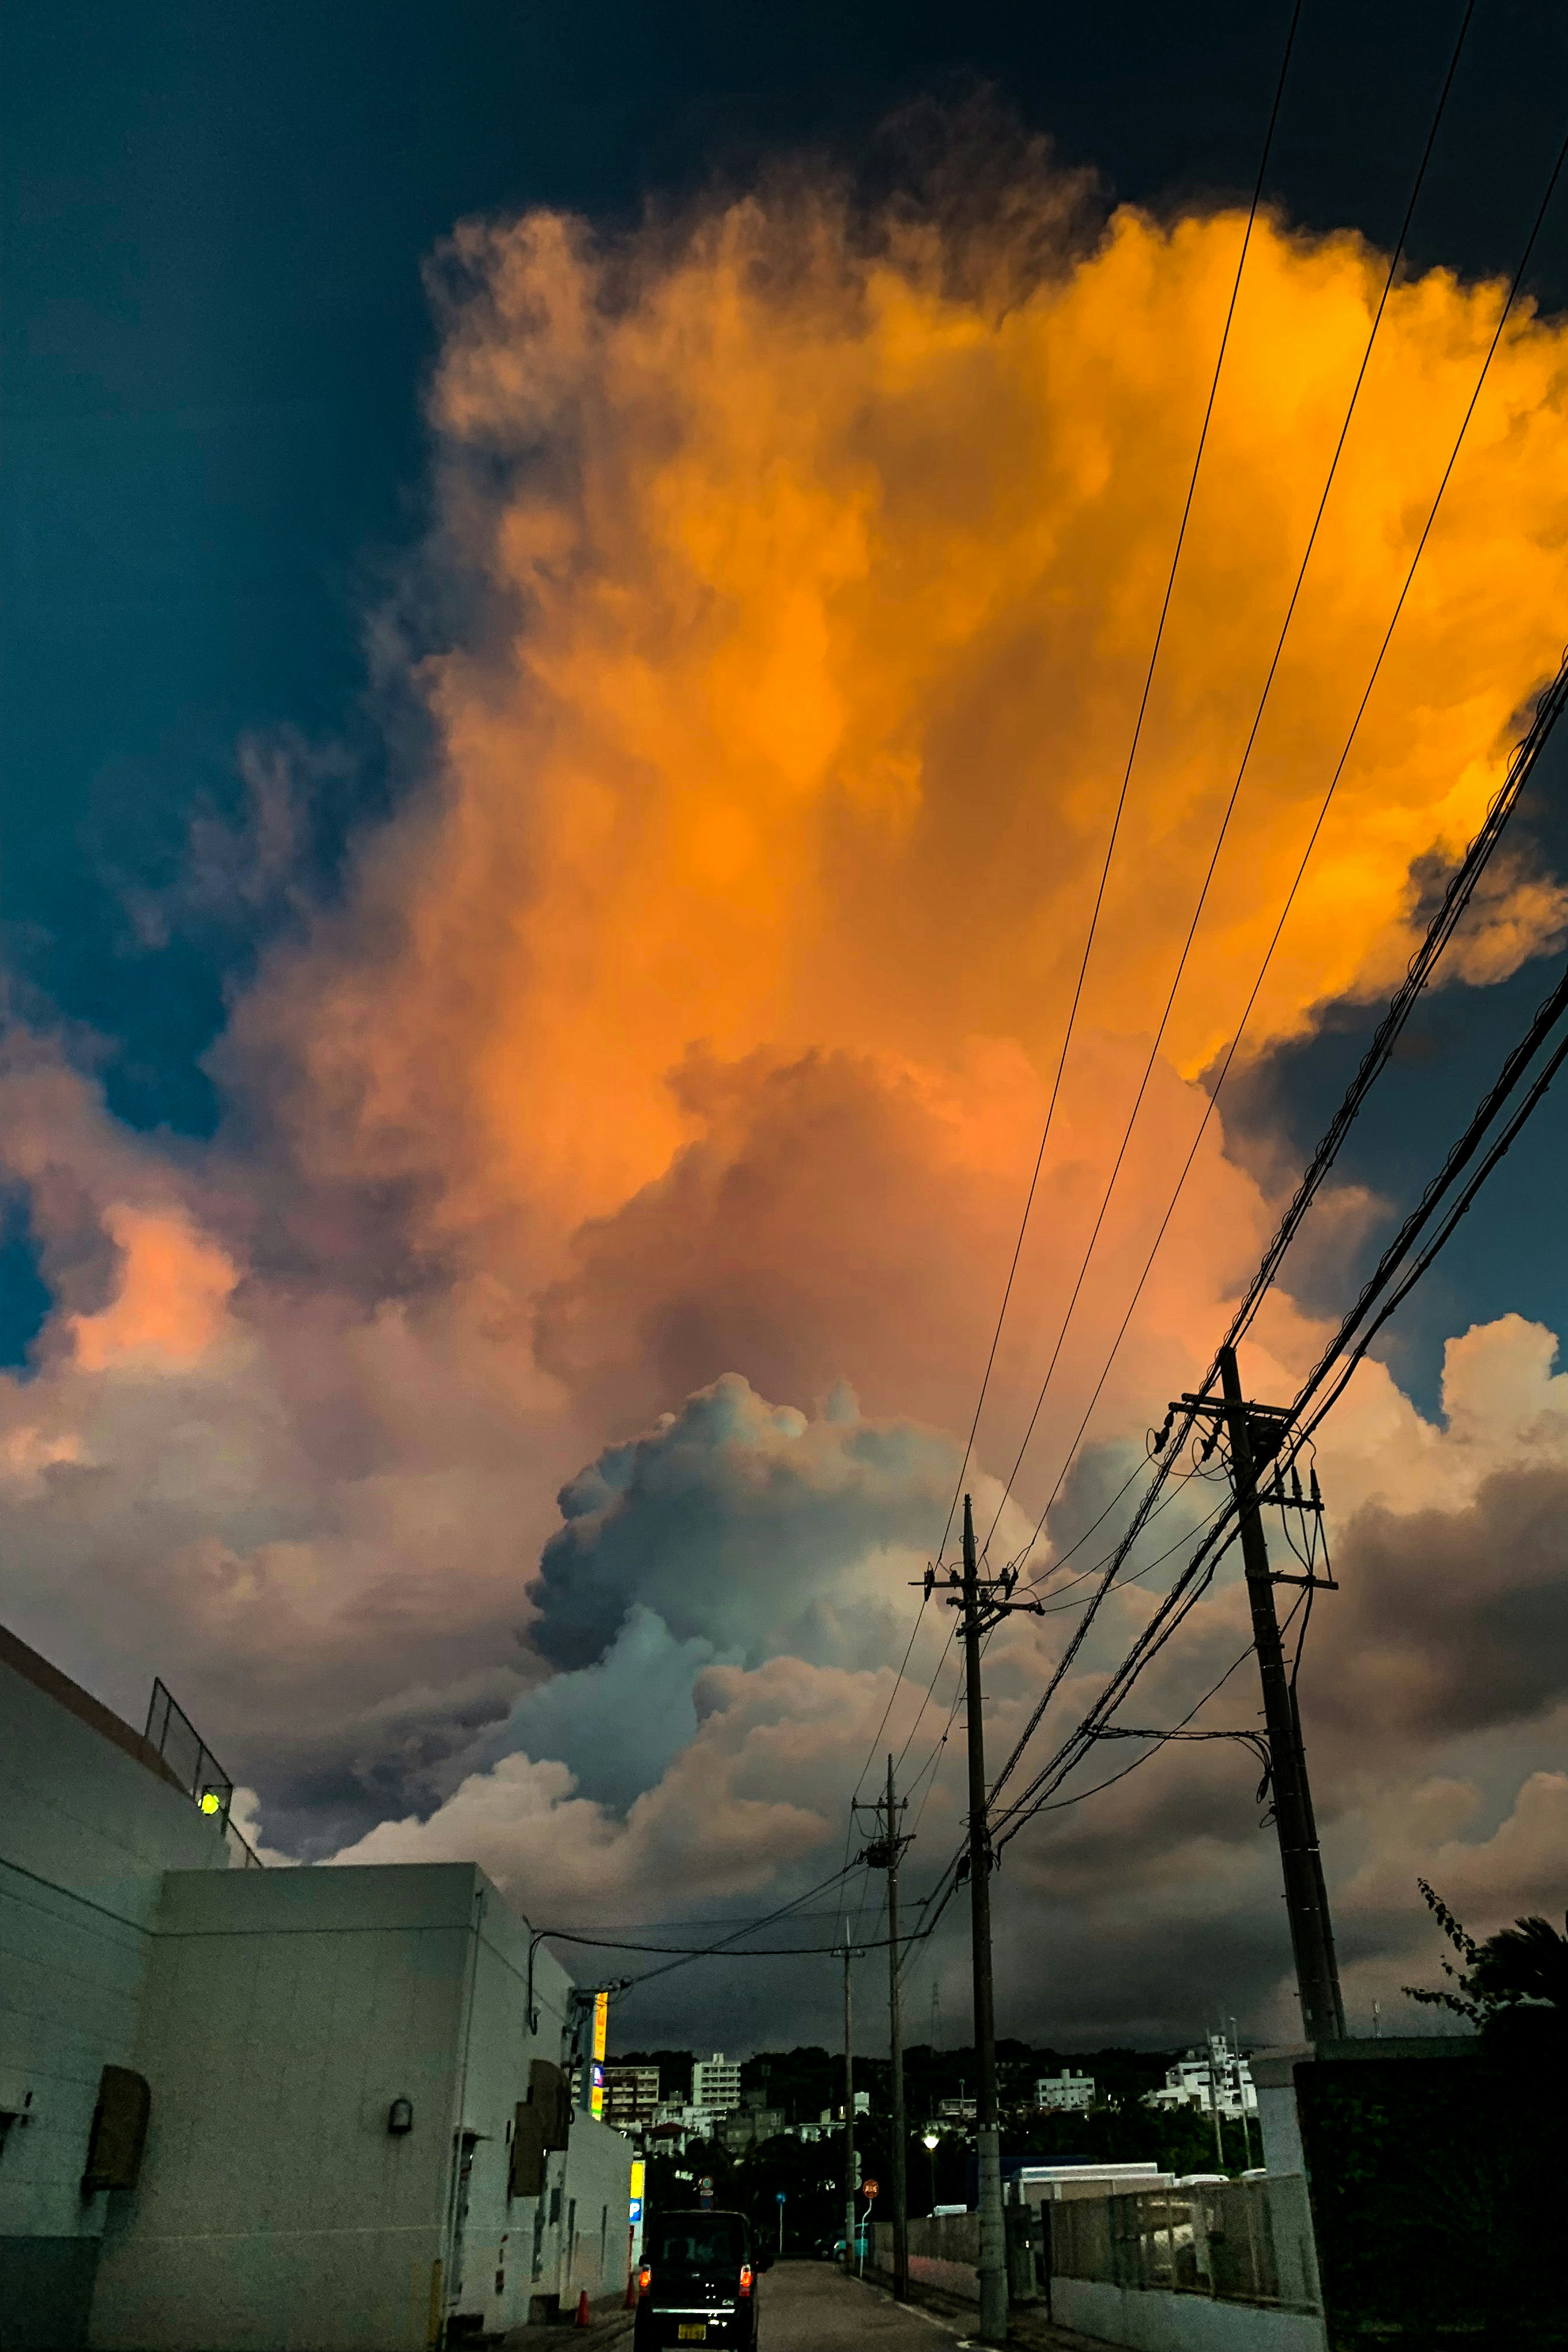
(400, 2115)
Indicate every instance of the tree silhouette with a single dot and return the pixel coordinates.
(1526, 1963)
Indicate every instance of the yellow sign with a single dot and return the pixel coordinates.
(601, 2025)
(640, 2173)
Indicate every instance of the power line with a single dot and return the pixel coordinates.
(1245, 760)
(1439, 931)
(1341, 1356)
(1131, 756)
(1456, 900)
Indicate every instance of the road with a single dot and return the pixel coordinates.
(813, 2308)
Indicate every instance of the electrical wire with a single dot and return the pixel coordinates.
(1336, 1365)
(1423, 963)
(1131, 756)
(1245, 760)
(1454, 904)
(568, 1936)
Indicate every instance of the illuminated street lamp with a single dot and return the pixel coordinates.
(930, 2139)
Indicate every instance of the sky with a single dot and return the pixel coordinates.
(575, 595)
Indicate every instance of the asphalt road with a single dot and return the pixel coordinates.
(813, 2308)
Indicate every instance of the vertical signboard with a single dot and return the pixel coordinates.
(601, 2044)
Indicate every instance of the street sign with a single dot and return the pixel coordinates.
(705, 2195)
(870, 2188)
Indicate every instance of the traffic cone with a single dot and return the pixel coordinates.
(583, 2319)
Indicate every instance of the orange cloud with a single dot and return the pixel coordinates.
(170, 1297)
(819, 586)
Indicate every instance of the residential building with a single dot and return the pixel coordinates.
(321, 2106)
(631, 2097)
(1217, 2075)
(716, 2083)
(1065, 2091)
(956, 2111)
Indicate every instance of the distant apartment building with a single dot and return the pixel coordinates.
(1217, 2076)
(1065, 2091)
(716, 2083)
(631, 2097)
(956, 2111)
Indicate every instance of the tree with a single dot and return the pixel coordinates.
(1524, 1964)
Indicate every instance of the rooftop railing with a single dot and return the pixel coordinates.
(193, 1764)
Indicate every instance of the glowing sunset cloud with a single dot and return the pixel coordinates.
(647, 1124)
(821, 561)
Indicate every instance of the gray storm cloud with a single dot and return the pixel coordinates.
(748, 1526)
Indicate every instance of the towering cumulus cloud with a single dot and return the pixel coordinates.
(661, 1095)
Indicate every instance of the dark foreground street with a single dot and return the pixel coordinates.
(813, 2308)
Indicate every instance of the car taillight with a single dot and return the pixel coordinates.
(745, 2278)
(645, 2279)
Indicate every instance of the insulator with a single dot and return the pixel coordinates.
(1317, 1490)
(1295, 1484)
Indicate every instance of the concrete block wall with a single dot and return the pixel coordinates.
(87, 1827)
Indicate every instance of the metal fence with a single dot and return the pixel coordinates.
(1236, 2241)
(193, 1764)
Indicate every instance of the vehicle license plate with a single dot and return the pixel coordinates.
(693, 2331)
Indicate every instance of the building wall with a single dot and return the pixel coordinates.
(88, 1825)
(285, 2012)
(716, 2082)
(285, 2009)
(599, 2211)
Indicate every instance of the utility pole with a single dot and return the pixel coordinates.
(850, 2181)
(1241, 2093)
(883, 1854)
(1256, 1433)
(983, 1602)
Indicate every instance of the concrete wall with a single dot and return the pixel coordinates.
(944, 2250)
(284, 2010)
(597, 2212)
(88, 1825)
(509, 2252)
(1150, 2320)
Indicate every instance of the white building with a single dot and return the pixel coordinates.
(1206, 2078)
(250, 2109)
(1065, 2091)
(716, 2083)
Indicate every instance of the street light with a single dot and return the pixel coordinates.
(930, 2139)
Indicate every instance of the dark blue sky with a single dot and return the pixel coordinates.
(211, 351)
